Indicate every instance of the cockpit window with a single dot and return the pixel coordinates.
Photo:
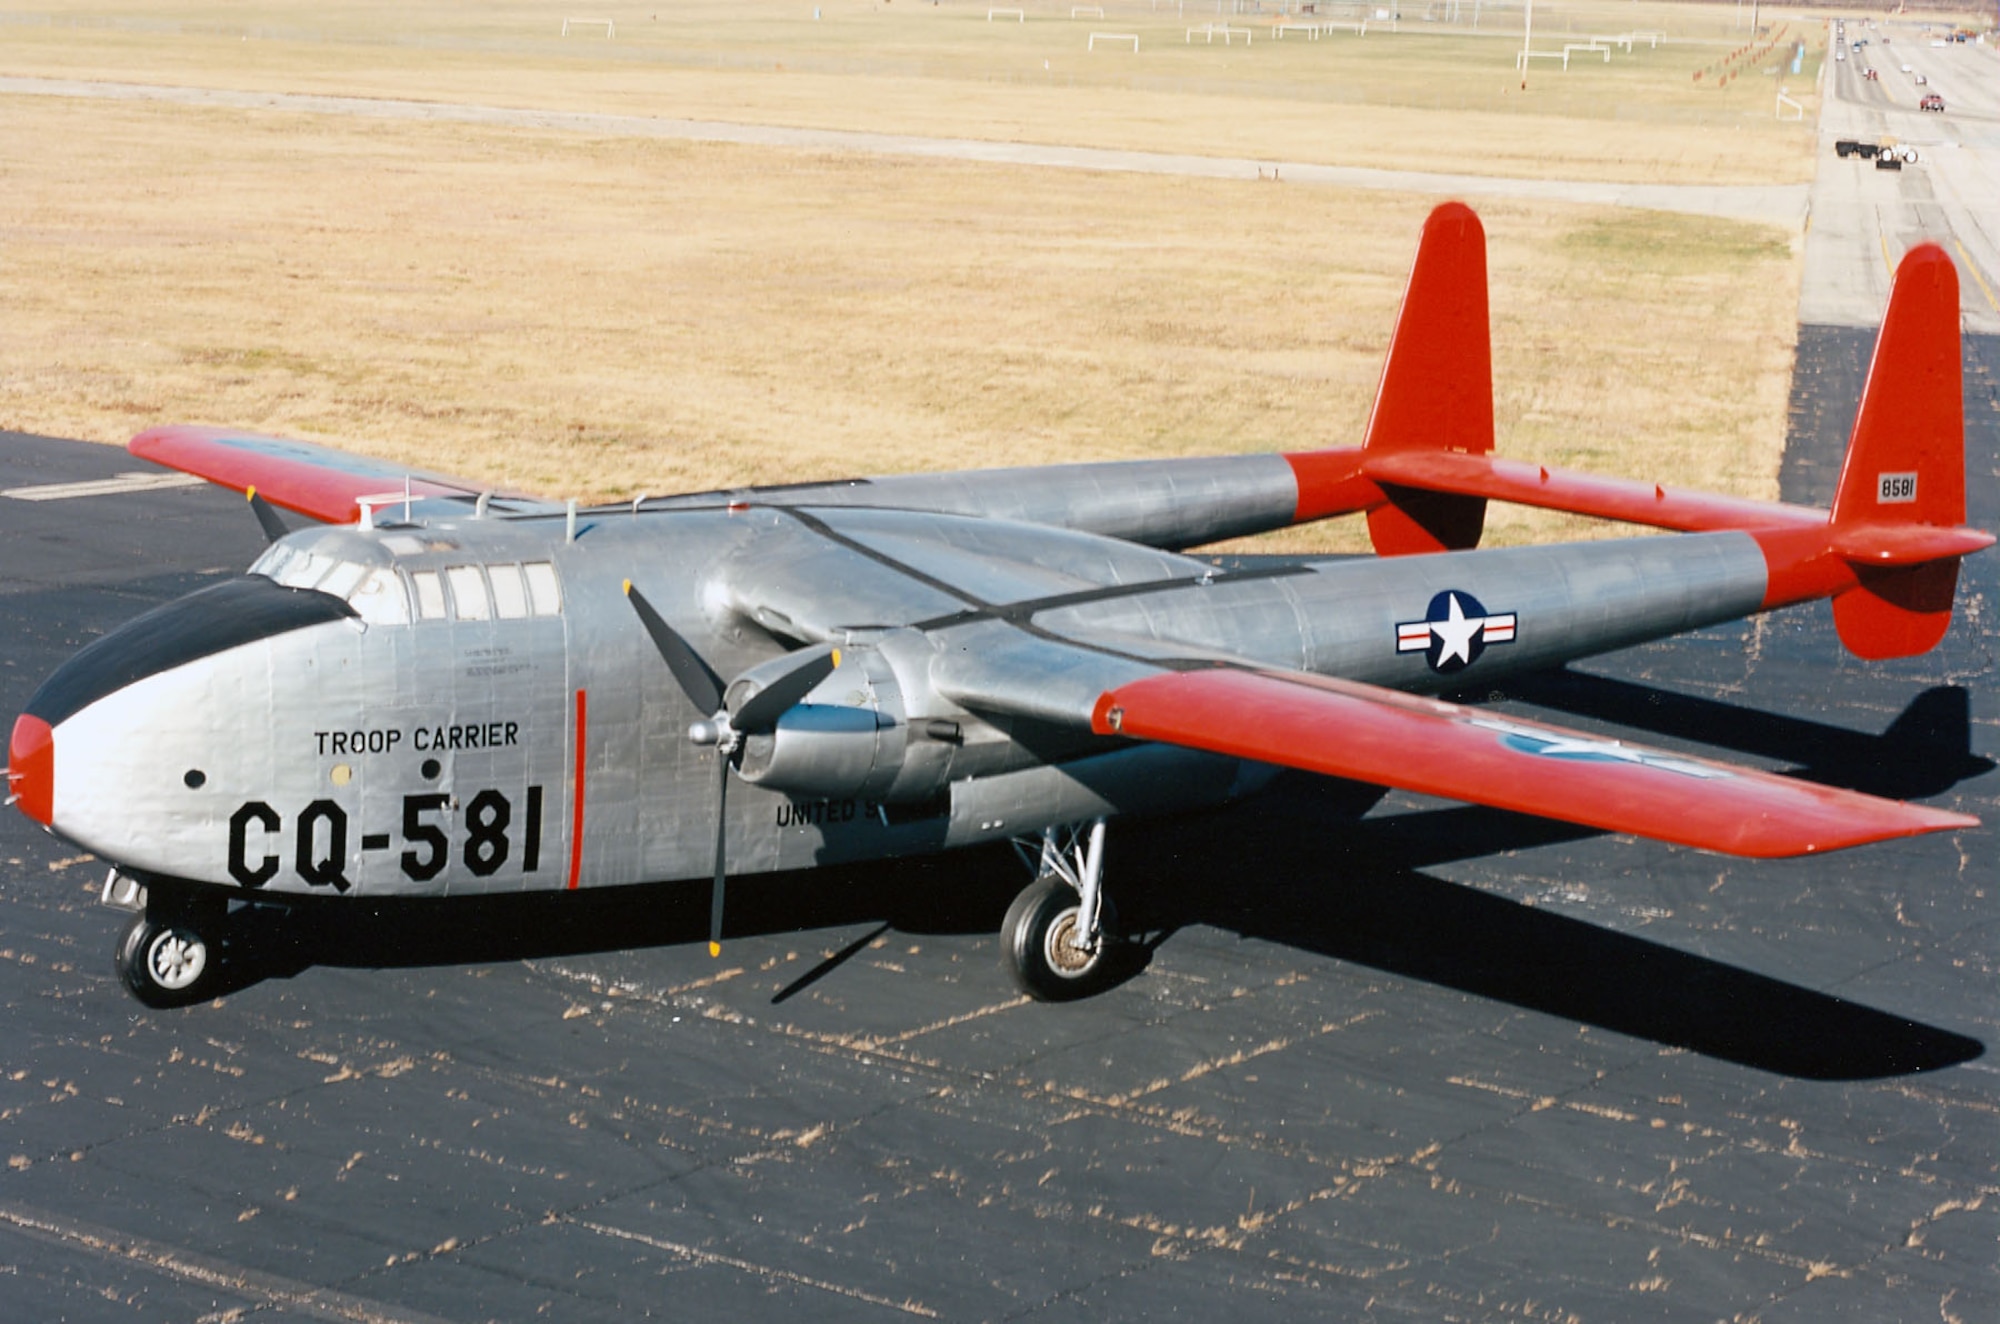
(380, 599)
(468, 592)
(291, 567)
(343, 579)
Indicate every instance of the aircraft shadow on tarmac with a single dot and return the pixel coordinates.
(1299, 865)
(1926, 751)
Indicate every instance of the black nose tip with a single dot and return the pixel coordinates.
(202, 624)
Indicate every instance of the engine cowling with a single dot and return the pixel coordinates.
(852, 737)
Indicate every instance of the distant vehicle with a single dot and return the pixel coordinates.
(1839, 55)
(1871, 74)
(1907, 69)
(1932, 102)
(1921, 81)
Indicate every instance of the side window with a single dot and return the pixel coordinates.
(510, 594)
(380, 599)
(468, 593)
(430, 595)
(543, 591)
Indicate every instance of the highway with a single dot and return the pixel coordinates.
(1863, 219)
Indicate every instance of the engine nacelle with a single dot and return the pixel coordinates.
(852, 737)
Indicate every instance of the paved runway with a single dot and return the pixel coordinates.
(1387, 1058)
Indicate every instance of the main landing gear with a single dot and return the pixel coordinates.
(1057, 940)
(171, 954)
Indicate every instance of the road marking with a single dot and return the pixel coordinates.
(119, 486)
(1972, 268)
(287, 1294)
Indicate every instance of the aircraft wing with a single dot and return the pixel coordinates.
(315, 481)
(1367, 733)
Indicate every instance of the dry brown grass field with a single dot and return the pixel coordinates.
(599, 315)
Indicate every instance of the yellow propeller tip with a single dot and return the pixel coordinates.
(250, 493)
(628, 588)
(836, 657)
(715, 949)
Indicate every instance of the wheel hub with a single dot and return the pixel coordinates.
(1063, 947)
(176, 959)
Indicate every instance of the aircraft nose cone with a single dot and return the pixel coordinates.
(31, 768)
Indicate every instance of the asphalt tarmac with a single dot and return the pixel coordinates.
(1380, 1057)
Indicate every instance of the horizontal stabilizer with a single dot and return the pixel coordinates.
(1346, 729)
(1585, 494)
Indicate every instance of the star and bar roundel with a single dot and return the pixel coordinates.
(1455, 630)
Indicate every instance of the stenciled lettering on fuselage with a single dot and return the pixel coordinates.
(1455, 630)
(823, 813)
(427, 739)
(485, 837)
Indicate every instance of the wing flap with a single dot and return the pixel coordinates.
(1347, 729)
(315, 481)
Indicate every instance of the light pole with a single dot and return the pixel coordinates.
(1527, 40)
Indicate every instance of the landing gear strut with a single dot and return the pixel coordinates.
(1056, 940)
(171, 955)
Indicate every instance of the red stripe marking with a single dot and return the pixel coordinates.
(576, 814)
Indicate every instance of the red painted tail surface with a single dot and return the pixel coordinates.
(1437, 386)
(1905, 468)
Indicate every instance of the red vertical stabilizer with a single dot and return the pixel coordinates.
(1437, 386)
(1905, 468)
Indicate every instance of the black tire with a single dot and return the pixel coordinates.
(1033, 950)
(168, 965)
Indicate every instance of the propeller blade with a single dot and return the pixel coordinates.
(806, 668)
(721, 860)
(702, 686)
(267, 515)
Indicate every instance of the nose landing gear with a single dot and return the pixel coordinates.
(171, 955)
(1056, 941)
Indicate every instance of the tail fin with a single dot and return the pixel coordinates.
(1905, 470)
(1437, 386)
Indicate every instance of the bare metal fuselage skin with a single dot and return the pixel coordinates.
(535, 740)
